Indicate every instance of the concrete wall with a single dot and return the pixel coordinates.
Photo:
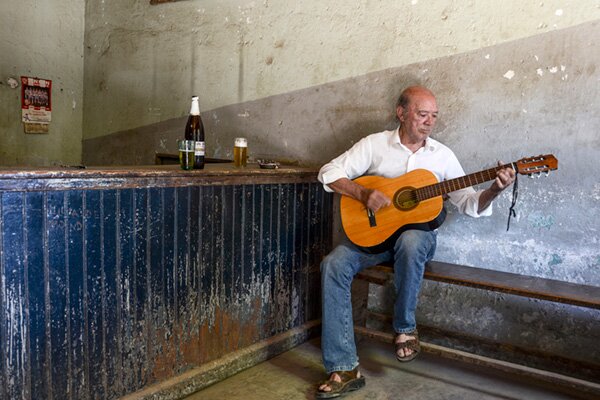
(144, 62)
(533, 96)
(42, 39)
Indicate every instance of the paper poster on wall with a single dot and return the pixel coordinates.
(36, 103)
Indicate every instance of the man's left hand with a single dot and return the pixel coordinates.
(504, 178)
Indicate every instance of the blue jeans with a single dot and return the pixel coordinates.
(410, 253)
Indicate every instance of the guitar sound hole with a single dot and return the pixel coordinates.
(405, 199)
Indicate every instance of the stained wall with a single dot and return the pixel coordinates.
(42, 39)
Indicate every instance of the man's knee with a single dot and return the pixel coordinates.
(414, 241)
(336, 266)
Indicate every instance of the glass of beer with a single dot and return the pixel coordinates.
(186, 154)
(240, 152)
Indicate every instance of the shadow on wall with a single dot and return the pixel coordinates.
(306, 127)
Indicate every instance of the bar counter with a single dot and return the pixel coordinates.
(140, 176)
(117, 279)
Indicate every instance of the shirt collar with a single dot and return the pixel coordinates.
(430, 144)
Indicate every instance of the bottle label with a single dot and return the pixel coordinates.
(199, 149)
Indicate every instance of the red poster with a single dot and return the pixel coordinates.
(36, 100)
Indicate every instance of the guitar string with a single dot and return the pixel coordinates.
(440, 188)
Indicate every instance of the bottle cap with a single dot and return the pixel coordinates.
(241, 142)
(195, 109)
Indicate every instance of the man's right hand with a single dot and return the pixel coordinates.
(371, 198)
(375, 200)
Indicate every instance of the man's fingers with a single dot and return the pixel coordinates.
(378, 200)
(505, 177)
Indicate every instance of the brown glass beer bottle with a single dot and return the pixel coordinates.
(194, 130)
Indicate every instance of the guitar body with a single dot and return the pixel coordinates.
(391, 220)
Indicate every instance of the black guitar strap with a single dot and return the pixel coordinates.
(515, 195)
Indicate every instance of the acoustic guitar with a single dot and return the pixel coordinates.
(417, 201)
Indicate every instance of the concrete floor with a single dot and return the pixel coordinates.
(293, 375)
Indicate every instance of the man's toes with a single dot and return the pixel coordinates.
(404, 352)
(324, 388)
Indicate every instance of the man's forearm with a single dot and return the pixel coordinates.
(349, 188)
(486, 198)
(504, 178)
(372, 199)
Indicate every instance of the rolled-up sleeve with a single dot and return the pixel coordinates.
(466, 200)
(351, 164)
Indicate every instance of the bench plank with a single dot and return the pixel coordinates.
(499, 281)
(574, 384)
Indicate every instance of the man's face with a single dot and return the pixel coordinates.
(419, 117)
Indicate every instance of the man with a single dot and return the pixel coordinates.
(388, 154)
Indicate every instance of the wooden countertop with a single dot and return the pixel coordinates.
(104, 177)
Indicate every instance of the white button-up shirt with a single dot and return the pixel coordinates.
(382, 154)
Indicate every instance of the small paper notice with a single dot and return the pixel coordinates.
(36, 100)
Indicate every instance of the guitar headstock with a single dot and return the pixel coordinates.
(537, 165)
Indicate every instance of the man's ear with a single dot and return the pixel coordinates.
(400, 113)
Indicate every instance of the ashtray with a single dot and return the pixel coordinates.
(268, 164)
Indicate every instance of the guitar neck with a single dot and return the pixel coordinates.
(452, 185)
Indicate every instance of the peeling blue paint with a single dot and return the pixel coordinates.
(541, 221)
(107, 291)
(556, 259)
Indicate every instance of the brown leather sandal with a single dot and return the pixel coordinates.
(351, 380)
(412, 344)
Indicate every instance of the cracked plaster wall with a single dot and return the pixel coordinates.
(144, 62)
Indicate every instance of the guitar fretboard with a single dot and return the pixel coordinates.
(452, 185)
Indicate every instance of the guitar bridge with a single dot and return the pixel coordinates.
(371, 215)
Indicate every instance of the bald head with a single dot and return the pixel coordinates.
(410, 93)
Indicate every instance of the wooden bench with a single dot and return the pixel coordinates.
(497, 281)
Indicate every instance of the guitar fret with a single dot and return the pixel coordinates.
(452, 185)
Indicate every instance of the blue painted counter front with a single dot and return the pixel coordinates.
(112, 281)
